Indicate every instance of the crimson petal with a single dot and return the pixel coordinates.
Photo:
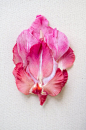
(37, 89)
(42, 98)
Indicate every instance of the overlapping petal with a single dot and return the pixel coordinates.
(34, 60)
(16, 57)
(24, 42)
(55, 85)
(58, 42)
(40, 23)
(67, 59)
(40, 60)
(47, 61)
(23, 80)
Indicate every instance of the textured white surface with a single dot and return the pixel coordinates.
(67, 111)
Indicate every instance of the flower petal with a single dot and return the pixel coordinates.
(54, 86)
(47, 61)
(40, 60)
(58, 42)
(16, 57)
(34, 60)
(42, 98)
(23, 80)
(67, 59)
(24, 42)
(40, 23)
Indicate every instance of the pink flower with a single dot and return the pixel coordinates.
(41, 56)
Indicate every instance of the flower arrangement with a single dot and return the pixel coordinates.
(41, 56)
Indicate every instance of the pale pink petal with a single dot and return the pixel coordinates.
(34, 60)
(24, 42)
(58, 42)
(67, 59)
(63, 44)
(16, 57)
(54, 86)
(47, 61)
(23, 80)
(42, 98)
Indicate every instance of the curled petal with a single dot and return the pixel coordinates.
(23, 80)
(16, 57)
(67, 59)
(54, 86)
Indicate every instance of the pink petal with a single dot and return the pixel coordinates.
(67, 59)
(24, 42)
(40, 53)
(58, 42)
(34, 60)
(63, 44)
(54, 86)
(23, 80)
(40, 23)
(16, 57)
(47, 61)
(42, 98)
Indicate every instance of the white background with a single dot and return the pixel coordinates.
(67, 111)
